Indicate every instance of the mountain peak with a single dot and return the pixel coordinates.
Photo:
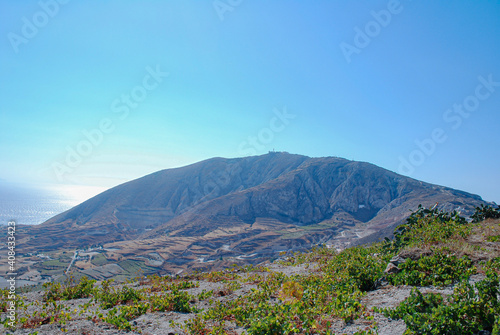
(258, 204)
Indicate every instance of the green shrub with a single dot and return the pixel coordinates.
(485, 212)
(111, 296)
(69, 290)
(427, 227)
(120, 317)
(495, 238)
(291, 290)
(176, 301)
(492, 265)
(416, 303)
(496, 326)
(358, 265)
(438, 269)
(198, 326)
(273, 320)
(467, 311)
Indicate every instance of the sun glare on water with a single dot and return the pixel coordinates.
(76, 194)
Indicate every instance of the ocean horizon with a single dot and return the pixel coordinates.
(34, 204)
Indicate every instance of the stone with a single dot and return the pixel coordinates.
(396, 260)
(391, 268)
(381, 282)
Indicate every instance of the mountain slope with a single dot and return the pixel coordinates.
(243, 209)
(320, 189)
(163, 195)
(127, 210)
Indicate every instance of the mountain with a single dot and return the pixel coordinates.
(244, 208)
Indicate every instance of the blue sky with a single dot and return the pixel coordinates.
(98, 93)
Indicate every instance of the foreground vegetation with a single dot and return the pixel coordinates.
(435, 248)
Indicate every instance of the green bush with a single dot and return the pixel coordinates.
(273, 320)
(438, 269)
(495, 238)
(468, 310)
(120, 317)
(69, 290)
(496, 326)
(416, 303)
(110, 296)
(427, 227)
(358, 265)
(485, 212)
(177, 301)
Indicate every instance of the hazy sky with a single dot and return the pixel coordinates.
(100, 92)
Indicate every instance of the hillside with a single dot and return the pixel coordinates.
(440, 275)
(223, 211)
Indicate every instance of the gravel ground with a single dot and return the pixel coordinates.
(160, 322)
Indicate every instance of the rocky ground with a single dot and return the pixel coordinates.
(160, 322)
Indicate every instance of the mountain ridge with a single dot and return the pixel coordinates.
(228, 208)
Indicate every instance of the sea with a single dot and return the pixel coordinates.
(33, 204)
